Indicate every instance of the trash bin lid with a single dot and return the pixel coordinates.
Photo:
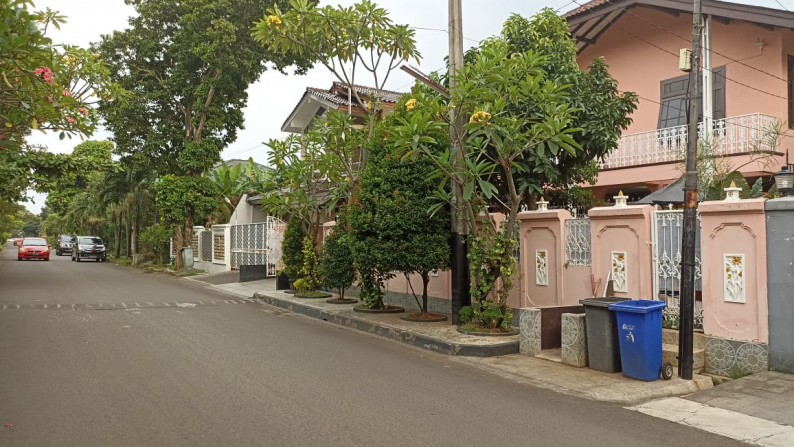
(638, 306)
(602, 301)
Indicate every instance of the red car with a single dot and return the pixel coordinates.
(33, 248)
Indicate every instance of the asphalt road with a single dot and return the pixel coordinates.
(92, 354)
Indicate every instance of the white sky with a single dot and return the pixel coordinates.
(273, 97)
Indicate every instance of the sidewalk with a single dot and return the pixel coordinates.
(757, 409)
(498, 355)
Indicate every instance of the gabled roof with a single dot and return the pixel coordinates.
(589, 20)
(315, 101)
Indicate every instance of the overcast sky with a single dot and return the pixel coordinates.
(272, 98)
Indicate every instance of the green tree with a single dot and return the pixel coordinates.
(336, 263)
(187, 64)
(44, 87)
(292, 248)
(391, 215)
(347, 41)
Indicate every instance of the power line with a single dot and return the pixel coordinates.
(636, 36)
(781, 5)
(688, 40)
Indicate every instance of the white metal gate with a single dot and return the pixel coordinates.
(667, 232)
(257, 244)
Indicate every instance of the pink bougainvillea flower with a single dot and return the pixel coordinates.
(66, 93)
(83, 110)
(71, 120)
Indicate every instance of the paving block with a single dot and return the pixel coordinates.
(574, 340)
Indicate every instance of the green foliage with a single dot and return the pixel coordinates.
(717, 189)
(301, 285)
(336, 263)
(181, 196)
(758, 189)
(155, 241)
(232, 183)
(310, 271)
(466, 314)
(347, 41)
(45, 86)
(189, 64)
(391, 218)
(536, 121)
(292, 248)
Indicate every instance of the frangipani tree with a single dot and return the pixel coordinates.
(348, 41)
(501, 147)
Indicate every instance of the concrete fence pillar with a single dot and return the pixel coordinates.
(622, 249)
(733, 250)
(542, 250)
(780, 282)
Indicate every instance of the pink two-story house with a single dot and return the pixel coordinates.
(748, 68)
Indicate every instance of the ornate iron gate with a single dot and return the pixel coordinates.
(257, 244)
(667, 231)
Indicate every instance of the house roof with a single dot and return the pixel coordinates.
(315, 101)
(589, 20)
(670, 194)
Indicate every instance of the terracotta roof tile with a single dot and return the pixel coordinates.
(585, 7)
(337, 94)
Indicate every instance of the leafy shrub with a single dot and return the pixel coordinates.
(292, 248)
(311, 260)
(336, 263)
(155, 241)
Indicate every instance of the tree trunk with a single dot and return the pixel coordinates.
(425, 282)
(128, 236)
(117, 234)
(178, 244)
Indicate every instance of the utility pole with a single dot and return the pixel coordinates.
(687, 297)
(460, 231)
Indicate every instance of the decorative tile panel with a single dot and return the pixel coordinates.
(529, 338)
(574, 340)
(619, 278)
(541, 268)
(733, 278)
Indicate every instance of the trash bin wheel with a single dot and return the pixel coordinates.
(667, 371)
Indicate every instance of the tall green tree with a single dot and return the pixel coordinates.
(530, 126)
(391, 222)
(187, 65)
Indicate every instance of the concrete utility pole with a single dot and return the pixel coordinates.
(687, 297)
(460, 231)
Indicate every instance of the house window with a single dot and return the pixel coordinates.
(673, 99)
(791, 91)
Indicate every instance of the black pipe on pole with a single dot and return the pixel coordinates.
(459, 239)
(687, 297)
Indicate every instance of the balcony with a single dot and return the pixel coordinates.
(729, 136)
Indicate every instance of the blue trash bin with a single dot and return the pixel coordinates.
(640, 337)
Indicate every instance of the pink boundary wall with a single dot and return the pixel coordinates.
(545, 230)
(734, 228)
(626, 229)
(737, 227)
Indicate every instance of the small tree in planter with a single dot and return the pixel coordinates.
(336, 264)
(411, 238)
(292, 248)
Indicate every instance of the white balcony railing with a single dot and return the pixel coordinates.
(733, 135)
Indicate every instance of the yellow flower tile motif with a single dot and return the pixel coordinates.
(619, 276)
(733, 279)
(541, 268)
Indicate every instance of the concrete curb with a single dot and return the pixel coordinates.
(394, 333)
